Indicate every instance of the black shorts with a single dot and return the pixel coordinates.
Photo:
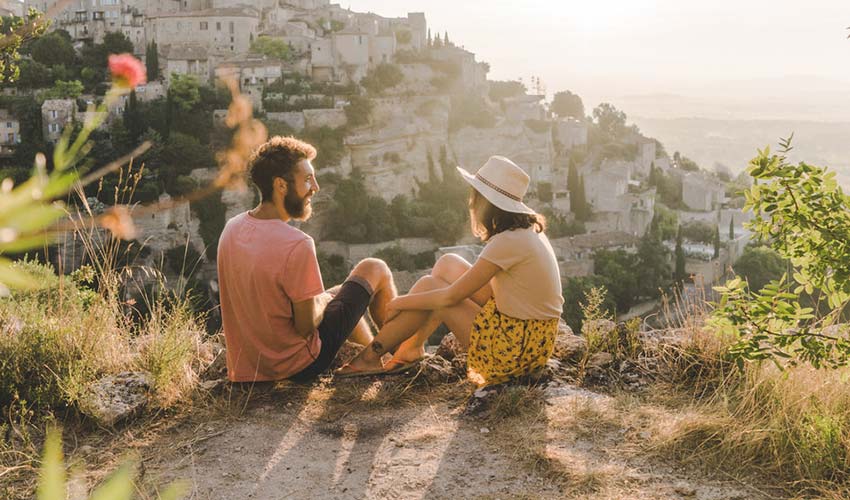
(342, 314)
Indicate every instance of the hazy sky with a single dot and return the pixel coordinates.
(620, 47)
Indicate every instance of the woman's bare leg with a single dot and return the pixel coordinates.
(448, 269)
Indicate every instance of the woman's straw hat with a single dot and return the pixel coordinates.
(502, 182)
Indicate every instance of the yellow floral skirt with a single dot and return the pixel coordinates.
(503, 348)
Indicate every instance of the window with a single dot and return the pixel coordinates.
(204, 25)
(218, 26)
(52, 113)
(8, 124)
(11, 137)
(231, 39)
(232, 27)
(360, 39)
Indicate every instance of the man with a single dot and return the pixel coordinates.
(278, 321)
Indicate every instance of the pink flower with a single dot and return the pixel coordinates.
(127, 71)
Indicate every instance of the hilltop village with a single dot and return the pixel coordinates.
(392, 107)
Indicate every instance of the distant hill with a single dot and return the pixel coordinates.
(734, 142)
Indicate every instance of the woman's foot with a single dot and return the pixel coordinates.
(361, 366)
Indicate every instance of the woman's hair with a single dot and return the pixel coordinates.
(488, 220)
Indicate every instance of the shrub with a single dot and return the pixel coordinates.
(699, 231)
(211, 212)
(381, 78)
(470, 111)
(333, 267)
(400, 260)
(358, 111)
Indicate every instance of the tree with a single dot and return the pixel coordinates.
(566, 104)
(716, 241)
(152, 61)
(618, 267)
(65, 90)
(610, 121)
(759, 265)
(184, 90)
(275, 48)
(53, 49)
(583, 210)
(34, 74)
(502, 89)
(133, 119)
(358, 111)
(17, 32)
(732, 228)
(382, 77)
(679, 271)
(653, 271)
(804, 215)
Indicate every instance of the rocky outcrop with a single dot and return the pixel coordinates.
(116, 397)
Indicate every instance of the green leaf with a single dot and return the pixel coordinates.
(51, 481)
(119, 486)
(13, 277)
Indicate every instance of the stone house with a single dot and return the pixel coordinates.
(473, 74)
(702, 192)
(646, 157)
(222, 31)
(187, 58)
(297, 34)
(524, 107)
(582, 246)
(55, 115)
(253, 74)
(605, 184)
(10, 133)
(570, 133)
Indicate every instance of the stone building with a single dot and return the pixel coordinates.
(55, 115)
(702, 192)
(570, 133)
(524, 107)
(253, 74)
(187, 58)
(10, 131)
(223, 32)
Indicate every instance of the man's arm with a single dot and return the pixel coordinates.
(307, 314)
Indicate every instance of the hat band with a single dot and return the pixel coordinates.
(497, 188)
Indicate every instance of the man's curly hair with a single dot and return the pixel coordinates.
(277, 158)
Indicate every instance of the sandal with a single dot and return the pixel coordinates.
(400, 366)
(348, 371)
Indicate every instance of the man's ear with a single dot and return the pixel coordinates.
(280, 185)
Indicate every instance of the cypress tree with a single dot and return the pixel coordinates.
(583, 213)
(679, 270)
(732, 228)
(446, 39)
(716, 241)
(152, 62)
(572, 187)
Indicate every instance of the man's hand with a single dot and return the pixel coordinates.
(309, 313)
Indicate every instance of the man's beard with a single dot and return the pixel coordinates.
(296, 206)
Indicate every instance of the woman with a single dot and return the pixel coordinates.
(505, 308)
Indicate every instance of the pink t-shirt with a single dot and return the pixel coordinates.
(264, 266)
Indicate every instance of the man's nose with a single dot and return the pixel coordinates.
(316, 185)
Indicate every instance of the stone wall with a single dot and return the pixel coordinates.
(355, 252)
(165, 229)
(294, 119)
(575, 268)
(333, 118)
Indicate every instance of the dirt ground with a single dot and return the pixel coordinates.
(396, 439)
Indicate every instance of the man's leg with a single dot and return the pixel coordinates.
(412, 325)
(370, 280)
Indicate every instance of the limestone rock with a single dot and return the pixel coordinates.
(569, 347)
(217, 364)
(116, 397)
(449, 347)
(437, 369)
(598, 363)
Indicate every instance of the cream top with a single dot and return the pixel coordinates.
(528, 286)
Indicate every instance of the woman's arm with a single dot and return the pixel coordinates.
(470, 282)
